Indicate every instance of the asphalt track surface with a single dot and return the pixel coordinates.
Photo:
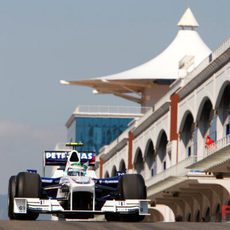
(86, 225)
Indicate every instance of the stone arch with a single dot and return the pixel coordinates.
(138, 161)
(183, 120)
(223, 108)
(206, 125)
(161, 132)
(155, 216)
(170, 204)
(220, 94)
(188, 217)
(207, 215)
(149, 154)
(161, 151)
(197, 216)
(114, 171)
(216, 205)
(196, 206)
(218, 212)
(188, 134)
(201, 106)
(150, 159)
(122, 166)
(106, 174)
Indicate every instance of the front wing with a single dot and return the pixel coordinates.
(23, 205)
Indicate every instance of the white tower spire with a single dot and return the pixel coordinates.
(188, 20)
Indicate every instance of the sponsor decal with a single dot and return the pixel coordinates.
(87, 156)
(60, 157)
(56, 155)
(109, 181)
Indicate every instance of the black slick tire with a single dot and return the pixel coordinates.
(132, 186)
(28, 185)
(11, 195)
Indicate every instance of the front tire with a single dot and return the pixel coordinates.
(11, 195)
(132, 186)
(29, 186)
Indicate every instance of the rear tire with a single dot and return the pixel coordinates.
(28, 185)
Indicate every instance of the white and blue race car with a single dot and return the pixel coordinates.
(74, 191)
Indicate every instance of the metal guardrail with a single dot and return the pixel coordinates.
(103, 109)
(223, 47)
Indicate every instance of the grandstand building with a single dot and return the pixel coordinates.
(182, 145)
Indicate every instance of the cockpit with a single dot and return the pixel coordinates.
(75, 171)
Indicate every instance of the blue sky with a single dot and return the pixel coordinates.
(42, 42)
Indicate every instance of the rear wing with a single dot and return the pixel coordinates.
(59, 158)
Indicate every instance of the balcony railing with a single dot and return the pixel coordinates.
(216, 146)
(102, 109)
(176, 170)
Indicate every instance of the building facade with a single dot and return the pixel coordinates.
(97, 126)
(169, 146)
(182, 145)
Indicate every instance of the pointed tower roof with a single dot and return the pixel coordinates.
(185, 52)
(188, 20)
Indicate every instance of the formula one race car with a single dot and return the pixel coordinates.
(74, 192)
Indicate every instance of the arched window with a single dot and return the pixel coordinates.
(138, 161)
